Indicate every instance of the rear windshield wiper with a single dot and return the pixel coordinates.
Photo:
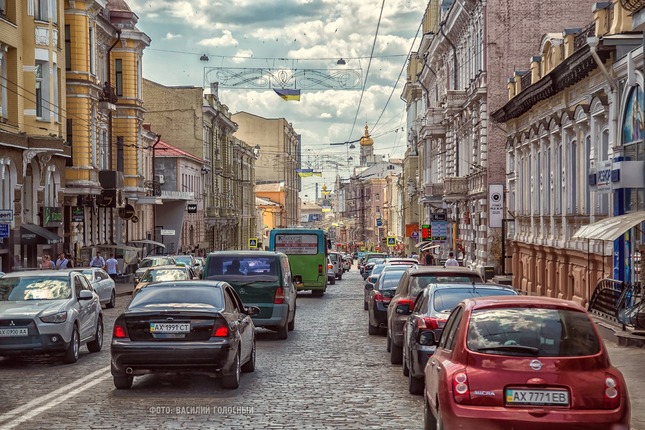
(511, 348)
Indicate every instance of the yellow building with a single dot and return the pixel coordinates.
(103, 52)
(33, 152)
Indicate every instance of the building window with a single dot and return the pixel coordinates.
(3, 85)
(573, 178)
(68, 47)
(558, 180)
(70, 132)
(119, 153)
(92, 51)
(105, 152)
(39, 90)
(41, 12)
(118, 66)
(540, 183)
(585, 175)
(603, 155)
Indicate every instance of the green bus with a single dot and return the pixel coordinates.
(306, 249)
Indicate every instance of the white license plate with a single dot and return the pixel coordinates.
(8, 332)
(169, 327)
(537, 397)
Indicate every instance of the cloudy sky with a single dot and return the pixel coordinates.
(294, 34)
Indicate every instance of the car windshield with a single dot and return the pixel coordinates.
(158, 275)
(260, 268)
(390, 280)
(447, 298)
(532, 332)
(148, 262)
(420, 281)
(156, 295)
(89, 274)
(35, 288)
(378, 268)
(186, 259)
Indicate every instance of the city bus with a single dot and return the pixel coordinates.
(306, 249)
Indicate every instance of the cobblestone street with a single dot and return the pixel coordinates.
(328, 374)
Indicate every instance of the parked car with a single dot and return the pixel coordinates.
(50, 312)
(174, 272)
(381, 265)
(367, 258)
(425, 323)
(151, 261)
(379, 299)
(367, 268)
(526, 363)
(347, 262)
(411, 284)
(337, 260)
(371, 280)
(189, 260)
(103, 285)
(331, 275)
(264, 280)
(184, 326)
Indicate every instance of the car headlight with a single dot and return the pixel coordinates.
(60, 317)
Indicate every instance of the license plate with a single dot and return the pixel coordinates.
(9, 332)
(169, 327)
(524, 397)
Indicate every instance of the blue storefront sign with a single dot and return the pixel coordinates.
(4, 231)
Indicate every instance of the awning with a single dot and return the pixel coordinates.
(420, 244)
(610, 228)
(32, 234)
(429, 246)
(148, 242)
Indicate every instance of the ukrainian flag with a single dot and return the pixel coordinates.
(288, 94)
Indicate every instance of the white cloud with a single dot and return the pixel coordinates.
(226, 39)
(170, 36)
(242, 55)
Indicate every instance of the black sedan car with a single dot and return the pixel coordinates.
(379, 299)
(423, 329)
(184, 326)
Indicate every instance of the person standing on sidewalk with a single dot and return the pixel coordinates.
(62, 262)
(98, 261)
(451, 261)
(112, 264)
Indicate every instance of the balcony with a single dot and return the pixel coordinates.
(432, 193)
(107, 98)
(455, 100)
(455, 188)
(431, 124)
(177, 195)
(477, 183)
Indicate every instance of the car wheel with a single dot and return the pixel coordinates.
(439, 420)
(232, 381)
(317, 293)
(396, 353)
(283, 332)
(387, 343)
(372, 330)
(416, 385)
(365, 307)
(340, 277)
(123, 382)
(292, 323)
(97, 343)
(71, 355)
(429, 421)
(406, 369)
(112, 302)
(332, 281)
(249, 366)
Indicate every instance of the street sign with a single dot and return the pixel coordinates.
(4, 230)
(391, 241)
(6, 215)
(415, 235)
(167, 232)
(379, 222)
(191, 208)
(253, 242)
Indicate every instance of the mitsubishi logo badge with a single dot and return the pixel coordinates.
(12, 323)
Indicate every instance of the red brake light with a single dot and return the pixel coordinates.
(220, 329)
(429, 323)
(378, 297)
(408, 302)
(460, 389)
(279, 296)
(320, 266)
(611, 395)
(120, 331)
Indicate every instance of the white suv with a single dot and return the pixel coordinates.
(337, 260)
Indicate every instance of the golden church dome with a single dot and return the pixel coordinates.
(366, 140)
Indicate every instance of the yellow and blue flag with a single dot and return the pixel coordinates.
(288, 94)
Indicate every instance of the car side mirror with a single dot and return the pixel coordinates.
(369, 287)
(252, 310)
(403, 309)
(426, 338)
(85, 295)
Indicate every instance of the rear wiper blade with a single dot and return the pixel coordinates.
(511, 348)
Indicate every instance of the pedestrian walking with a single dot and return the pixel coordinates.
(112, 264)
(451, 262)
(98, 261)
(62, 262)
(428, 259)
(47, 263)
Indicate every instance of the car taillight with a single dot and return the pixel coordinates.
(408, 302)
(378, 297)
(428, 323)
(611, 398)
(320, 266)
(220, 329)
(279, 296)
(120, 330)
(330, 266)
(460, 389)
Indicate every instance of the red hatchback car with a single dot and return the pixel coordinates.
(519, 362)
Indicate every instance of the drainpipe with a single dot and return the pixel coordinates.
(109, 78)
(454, 50)
(154, 190)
